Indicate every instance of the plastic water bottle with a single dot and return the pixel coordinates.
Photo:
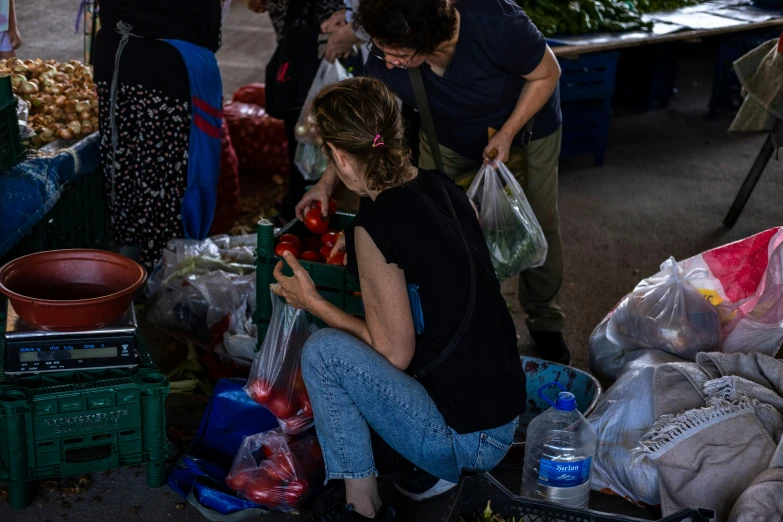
(559, 452)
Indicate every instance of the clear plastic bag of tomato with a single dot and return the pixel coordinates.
(514, 237)
(276, 375)
(271, 471)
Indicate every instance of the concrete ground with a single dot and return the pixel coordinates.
(669, 178)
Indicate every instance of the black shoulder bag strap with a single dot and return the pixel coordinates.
(427, 122)
(427, 368)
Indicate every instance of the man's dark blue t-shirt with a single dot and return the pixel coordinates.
(498, 44)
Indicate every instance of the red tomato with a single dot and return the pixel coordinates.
(290, 238)
(315, 222)
(260, 391)
(304, 404)
(264, 491)
(286, 247)
(312, 256)
(281, 407)
(312, 243)
(326, 252)
(332, 206)
(329, 239)
(238, 482)
(337, 259)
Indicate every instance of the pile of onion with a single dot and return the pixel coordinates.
(62, 97)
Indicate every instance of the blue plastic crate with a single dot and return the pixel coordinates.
(726, 88)
(586, 128)
(587, 77)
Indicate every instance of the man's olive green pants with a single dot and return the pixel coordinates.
(535, 166)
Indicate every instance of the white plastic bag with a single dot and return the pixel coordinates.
(622, 416)
(275, 380)
(668, 313)
(742, 280)
(309, 158)
(514, 237)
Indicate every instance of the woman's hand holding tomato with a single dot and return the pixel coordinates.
(299, 291)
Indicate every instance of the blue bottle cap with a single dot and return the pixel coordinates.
(565, 401)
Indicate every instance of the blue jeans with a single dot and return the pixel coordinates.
(352, 386)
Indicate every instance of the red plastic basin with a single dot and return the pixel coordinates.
(67, 290)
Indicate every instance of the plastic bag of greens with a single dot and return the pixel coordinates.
(668, 313)
(514, 237)
(309, 159)
(276, 375)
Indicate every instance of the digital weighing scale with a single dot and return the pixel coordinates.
(30, 350)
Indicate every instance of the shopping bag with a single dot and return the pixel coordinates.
(276, 375)
(309, 158)
(623, 415)
(271, 471)
(742, 280)
(514, 237)
(667, 312)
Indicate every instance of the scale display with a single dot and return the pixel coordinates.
(28, 350)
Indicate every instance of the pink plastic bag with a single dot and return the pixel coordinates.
(271, 471)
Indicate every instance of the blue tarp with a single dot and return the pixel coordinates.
(29, 190)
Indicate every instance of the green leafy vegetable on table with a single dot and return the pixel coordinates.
(575, 17)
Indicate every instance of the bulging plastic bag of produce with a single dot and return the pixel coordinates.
(276, 375)
(254, 93)
(259, 140)
(742, 280)
(275, 473)
(309, 159)
(514, 237)
(668, 313)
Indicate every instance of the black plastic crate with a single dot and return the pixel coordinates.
(586, 128)
(646, 77)
(77, 220)
(11, 149)
(474, 491)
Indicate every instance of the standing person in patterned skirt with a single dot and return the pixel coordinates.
(148, 177)
(290, 72)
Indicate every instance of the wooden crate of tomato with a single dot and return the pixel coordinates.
(311, 243)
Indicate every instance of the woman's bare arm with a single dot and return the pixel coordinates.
(388, 325)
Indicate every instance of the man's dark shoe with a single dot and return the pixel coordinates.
(335, 512)
(551, 346)
(417, 484)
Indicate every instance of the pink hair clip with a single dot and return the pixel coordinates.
(377, 141)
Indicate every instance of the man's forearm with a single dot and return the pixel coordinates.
(11, 15)
(533, 97)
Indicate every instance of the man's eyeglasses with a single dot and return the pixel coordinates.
(375, 51)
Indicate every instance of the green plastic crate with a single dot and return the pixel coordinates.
(71, 429)
(333, 282)
(70, 423)
(11, 149)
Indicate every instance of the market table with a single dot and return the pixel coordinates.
(30, 190)
(714, 18)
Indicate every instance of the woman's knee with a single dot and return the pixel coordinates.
(322, 345)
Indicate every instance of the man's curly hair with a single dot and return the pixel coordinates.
(421, 25)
